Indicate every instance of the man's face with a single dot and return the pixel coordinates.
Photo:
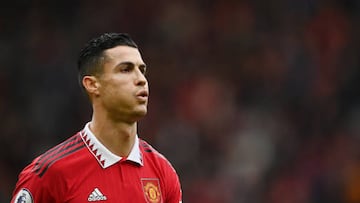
(123, 90)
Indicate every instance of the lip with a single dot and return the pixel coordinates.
(142, 95)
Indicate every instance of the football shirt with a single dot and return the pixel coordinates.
(82, 169)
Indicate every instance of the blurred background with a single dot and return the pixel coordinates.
(252, 101)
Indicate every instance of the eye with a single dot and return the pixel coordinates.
(143, 69)
(126, 68)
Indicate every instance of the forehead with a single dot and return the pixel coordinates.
(120, 54)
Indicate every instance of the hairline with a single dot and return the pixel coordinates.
(94, 64)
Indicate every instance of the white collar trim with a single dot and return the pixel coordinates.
(103, 155)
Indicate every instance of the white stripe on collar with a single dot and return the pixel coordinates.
(103, 155)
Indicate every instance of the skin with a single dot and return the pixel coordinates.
(119, 97)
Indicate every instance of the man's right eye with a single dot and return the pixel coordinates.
(125, 69)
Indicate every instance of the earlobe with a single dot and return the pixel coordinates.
(91, 84)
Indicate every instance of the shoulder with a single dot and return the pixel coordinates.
(171, 182)
(150, 151)
(151, 154)
(38, 179)
(56, 154)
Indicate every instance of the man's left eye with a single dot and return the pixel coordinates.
(143, 70)
(125, 69)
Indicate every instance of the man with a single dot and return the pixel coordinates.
(106, 161)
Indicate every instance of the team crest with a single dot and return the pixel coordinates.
(23, 196)
(152, 192)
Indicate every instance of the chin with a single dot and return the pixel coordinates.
(140, 113)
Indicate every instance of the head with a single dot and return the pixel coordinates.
(112, 73)
(92, 55)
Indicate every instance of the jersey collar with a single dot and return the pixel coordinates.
(103, 155)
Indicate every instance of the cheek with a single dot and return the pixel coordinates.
(118, 91)
(113, 84)
(116, 87)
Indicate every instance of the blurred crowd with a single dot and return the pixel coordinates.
(252, 101)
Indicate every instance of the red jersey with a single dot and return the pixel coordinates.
(81, 169)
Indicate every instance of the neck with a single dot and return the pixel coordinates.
(118, 137)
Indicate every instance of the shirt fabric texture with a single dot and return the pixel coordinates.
(81, 169)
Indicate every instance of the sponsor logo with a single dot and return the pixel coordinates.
(96, 195)
(24, 196)
(151, 188)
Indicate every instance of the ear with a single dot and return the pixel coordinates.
(91, 84)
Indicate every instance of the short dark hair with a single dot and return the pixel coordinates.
(91, 56)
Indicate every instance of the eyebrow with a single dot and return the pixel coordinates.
(130, 63)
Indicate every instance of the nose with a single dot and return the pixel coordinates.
(140, 78)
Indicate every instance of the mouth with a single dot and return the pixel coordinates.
(142, 95)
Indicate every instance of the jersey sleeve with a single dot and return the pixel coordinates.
(173, 187)
(32, 188)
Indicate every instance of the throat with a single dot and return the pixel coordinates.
(118, 140)
(119, 146)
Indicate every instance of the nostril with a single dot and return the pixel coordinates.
(141, 80)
